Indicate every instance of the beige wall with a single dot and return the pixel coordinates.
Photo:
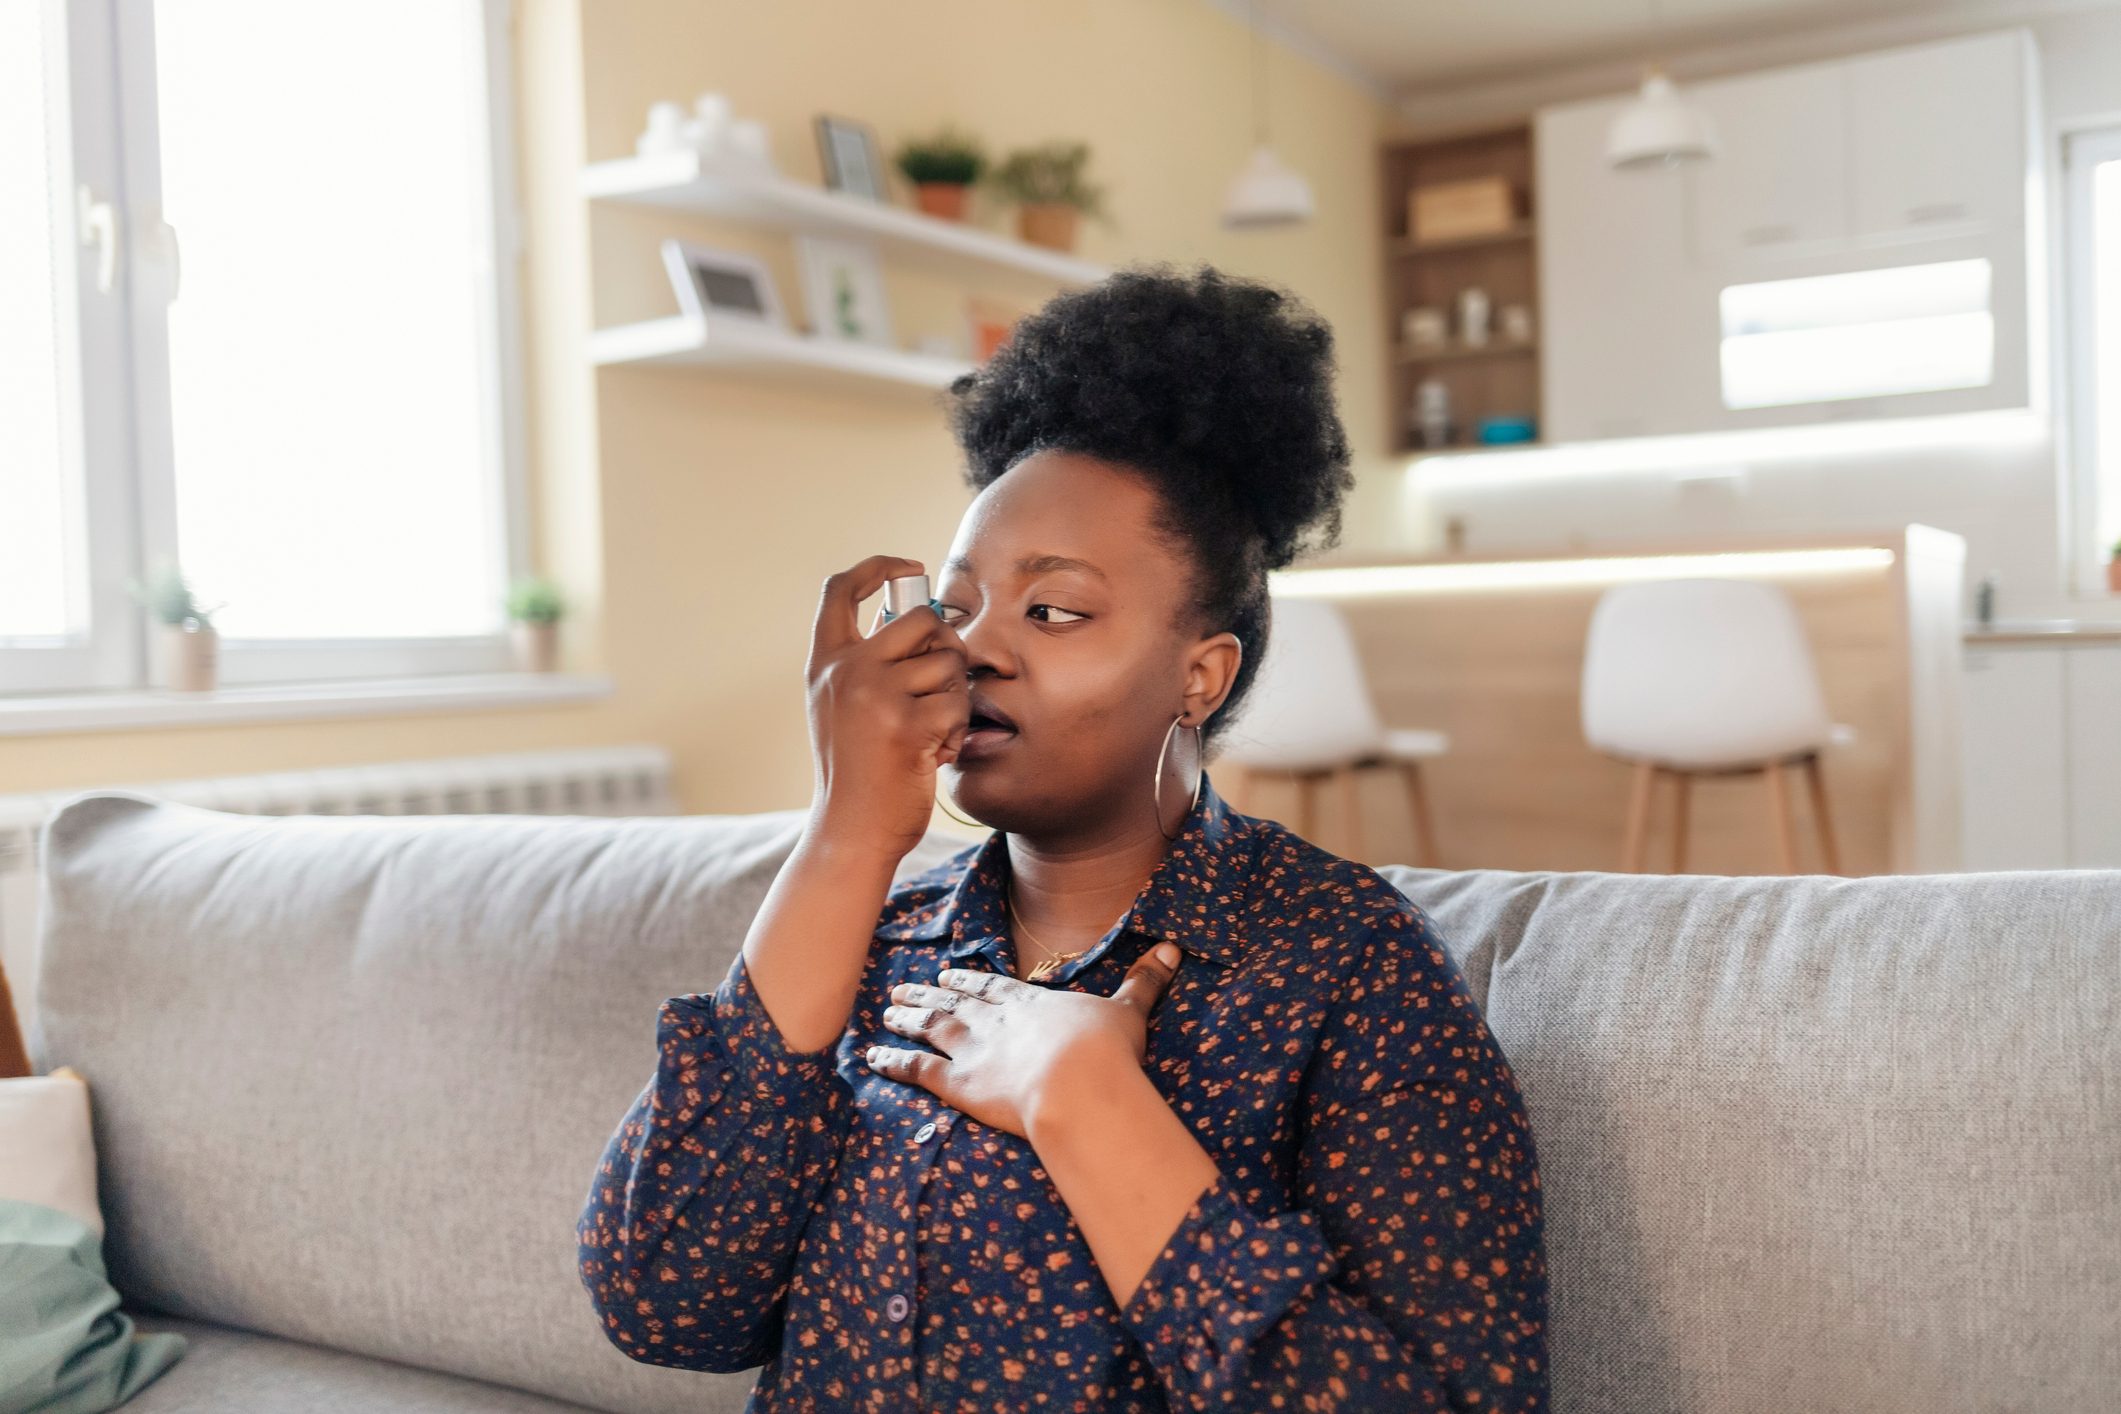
(696, 515)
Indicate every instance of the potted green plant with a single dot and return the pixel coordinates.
(1046, 182)
(943, 169)
(535, 608)
(184, 654)
(2113, 567)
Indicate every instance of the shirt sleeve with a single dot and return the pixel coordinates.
(1412, 1273)
(688, 1238)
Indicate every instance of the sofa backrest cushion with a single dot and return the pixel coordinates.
(1814, 1143)
(353, 1074)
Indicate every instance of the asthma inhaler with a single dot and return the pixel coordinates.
(906, 592)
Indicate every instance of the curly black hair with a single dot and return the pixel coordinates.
(1217, 389)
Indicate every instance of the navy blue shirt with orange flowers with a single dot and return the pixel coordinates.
(1374, 1241)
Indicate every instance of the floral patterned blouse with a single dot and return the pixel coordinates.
(1373, 1243)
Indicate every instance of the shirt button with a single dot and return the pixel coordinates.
(924, 1133)
(897, 1306)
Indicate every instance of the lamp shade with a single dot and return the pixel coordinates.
(1659, 129)
(1267, 193)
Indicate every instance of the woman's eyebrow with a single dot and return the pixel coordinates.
(1034, 564)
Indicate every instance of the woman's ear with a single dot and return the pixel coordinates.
(1210, 673)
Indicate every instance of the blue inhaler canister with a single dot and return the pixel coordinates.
(906, 592)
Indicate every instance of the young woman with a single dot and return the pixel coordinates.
(1141, 1103)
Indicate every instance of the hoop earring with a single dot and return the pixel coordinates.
(942, 798)
(1199, 774)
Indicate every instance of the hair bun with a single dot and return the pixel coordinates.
(1220, 387)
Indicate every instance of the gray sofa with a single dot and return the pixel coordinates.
(1806, 1144)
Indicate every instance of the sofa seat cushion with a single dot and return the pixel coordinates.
(230, 1371)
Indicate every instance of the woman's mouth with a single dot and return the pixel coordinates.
(984, 737)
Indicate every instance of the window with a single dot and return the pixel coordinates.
(2092, 299)
(1861, 334)
(261, 323)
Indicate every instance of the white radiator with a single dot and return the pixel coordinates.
(612, 780)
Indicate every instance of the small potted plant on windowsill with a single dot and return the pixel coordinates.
(184, 654)
(1047, 184)
(943, 170)
(535, 608)
(2113, 567)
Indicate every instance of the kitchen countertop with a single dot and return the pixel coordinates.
(2055, 631)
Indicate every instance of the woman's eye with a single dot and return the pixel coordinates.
(950, 609)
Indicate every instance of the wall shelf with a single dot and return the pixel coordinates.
(1496, 348)
(680, 181)
(1522, 231)
(684, 342)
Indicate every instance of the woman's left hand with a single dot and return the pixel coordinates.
(1008, 1047)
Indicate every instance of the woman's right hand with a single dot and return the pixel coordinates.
(886, 711)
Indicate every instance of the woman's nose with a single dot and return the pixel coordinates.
(981, 642)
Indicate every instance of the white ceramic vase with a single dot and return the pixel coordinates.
(537, 645)
(186, 657)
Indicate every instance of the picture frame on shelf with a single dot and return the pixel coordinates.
(716, 285)
(852, 158)
(843, 290)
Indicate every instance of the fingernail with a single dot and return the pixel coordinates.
(1168, 954)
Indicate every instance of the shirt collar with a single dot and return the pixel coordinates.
(1197, 897)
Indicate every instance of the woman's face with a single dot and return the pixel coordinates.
(1089, 660)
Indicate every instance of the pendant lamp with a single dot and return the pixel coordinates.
(1660, 128)
(1267, 191)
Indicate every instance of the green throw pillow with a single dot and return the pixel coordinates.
(65, 1347)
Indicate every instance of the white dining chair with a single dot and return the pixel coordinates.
(1310, 717)
(1707, 677)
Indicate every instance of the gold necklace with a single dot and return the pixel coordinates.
(1054, 961)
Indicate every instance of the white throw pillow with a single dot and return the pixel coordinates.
(47, 1149)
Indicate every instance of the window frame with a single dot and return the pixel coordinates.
(2084, 148)
(121, 482)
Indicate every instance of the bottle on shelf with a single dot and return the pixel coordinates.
(1431, 420)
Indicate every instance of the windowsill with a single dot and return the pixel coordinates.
(126, 710)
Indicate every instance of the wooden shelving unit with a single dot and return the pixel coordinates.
(1500, 377)
(680, 181)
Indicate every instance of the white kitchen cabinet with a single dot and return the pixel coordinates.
(2092, 676)
(2014, 790)
(1938, 138)
(1625, 351)
(2041, 787)
(1921, 156)
(1778, 184)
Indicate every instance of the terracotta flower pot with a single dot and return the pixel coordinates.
(186, 657)
(944, 199)
(2113, 574)
(1047, 223)
(537, 645)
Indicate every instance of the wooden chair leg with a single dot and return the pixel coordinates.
(1307, 805)
(1682, 783)
(1352, 845)
(1779, 812)
(1635, 843)
(1827, 846)
(1418, 803)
